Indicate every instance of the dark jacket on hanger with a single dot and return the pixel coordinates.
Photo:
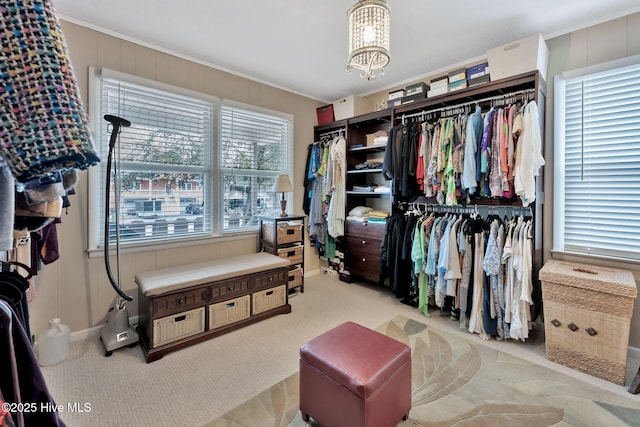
(21, 380)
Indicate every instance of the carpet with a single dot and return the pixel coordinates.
(457, 381)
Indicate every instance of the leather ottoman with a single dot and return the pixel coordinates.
(353, 376)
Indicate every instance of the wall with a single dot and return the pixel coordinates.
(75, 288)
(608, 41)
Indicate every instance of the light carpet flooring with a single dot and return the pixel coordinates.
(196, 385)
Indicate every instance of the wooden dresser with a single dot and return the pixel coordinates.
(362, 248)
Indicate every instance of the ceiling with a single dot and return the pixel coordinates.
(301, 45)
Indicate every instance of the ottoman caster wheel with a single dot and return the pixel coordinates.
(305, 417)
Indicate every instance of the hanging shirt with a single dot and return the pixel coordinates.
(337, 208)
(531, 159)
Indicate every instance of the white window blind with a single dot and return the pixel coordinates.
(597, 163)
(164, 162)
(254, 150)
(188, 167)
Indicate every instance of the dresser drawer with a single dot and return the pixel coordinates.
(364, 228)
(271, 278)
(229, 288)
(178, 302)
(363, 246)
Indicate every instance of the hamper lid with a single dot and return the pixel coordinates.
(596, 278)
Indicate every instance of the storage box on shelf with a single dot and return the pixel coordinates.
(587, 312)
(348, 107)
(284, 236)
(325, 114)
(521, 56)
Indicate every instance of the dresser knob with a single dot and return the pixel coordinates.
(364, 242)
(364, 260)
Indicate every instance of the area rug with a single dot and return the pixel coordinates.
(457, 382)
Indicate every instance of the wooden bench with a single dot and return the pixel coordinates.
(181, 306)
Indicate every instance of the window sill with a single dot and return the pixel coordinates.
(601, 260)
(157, 246)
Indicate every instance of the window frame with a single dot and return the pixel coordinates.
(214, 196)
(559, 190)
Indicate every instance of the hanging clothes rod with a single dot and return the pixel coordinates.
(332, 133)
(482, 210)
(464, 104)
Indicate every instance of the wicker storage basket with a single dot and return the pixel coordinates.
(587, 317)
(230, 311)
(173, 328)
(295, 278)
(293, 254)
(290, 232)
(269, 298)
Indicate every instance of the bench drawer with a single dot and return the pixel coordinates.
(178, 302)
(228, 312)
(270, 279)
(229, 288)
(173, 328)
(268, 299)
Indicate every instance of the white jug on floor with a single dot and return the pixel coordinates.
(53, 343)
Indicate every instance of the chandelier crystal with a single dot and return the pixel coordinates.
(369, 37)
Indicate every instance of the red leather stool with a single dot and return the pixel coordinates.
(353, 376)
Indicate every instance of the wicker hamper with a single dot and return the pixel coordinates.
(587, 317)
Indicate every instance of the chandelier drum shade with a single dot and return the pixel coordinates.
(369, 37)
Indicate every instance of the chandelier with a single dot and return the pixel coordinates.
(369, 37)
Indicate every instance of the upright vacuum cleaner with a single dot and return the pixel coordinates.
(116, 332)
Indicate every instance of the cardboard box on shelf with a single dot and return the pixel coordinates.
(478, 70)
(439, 83)
(439, 91)
(521, 56)
(457, 85)
(377, 138)
(457, 75)
(348, 107)
(413, 98)
(417, 88)
(479, 80)
(396, 94)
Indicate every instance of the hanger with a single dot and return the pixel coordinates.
(9, 267)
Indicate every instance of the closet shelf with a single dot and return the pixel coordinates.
(367, 193)
(359, 171)
(367, 148)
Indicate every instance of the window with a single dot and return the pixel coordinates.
(252, 156)
(187, 167)
(597, 160)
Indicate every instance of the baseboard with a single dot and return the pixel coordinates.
(95, 331)
(634, 352)
(312, 273)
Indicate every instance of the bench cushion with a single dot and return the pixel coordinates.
(164, 280)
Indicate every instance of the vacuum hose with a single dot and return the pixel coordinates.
(116, 122)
